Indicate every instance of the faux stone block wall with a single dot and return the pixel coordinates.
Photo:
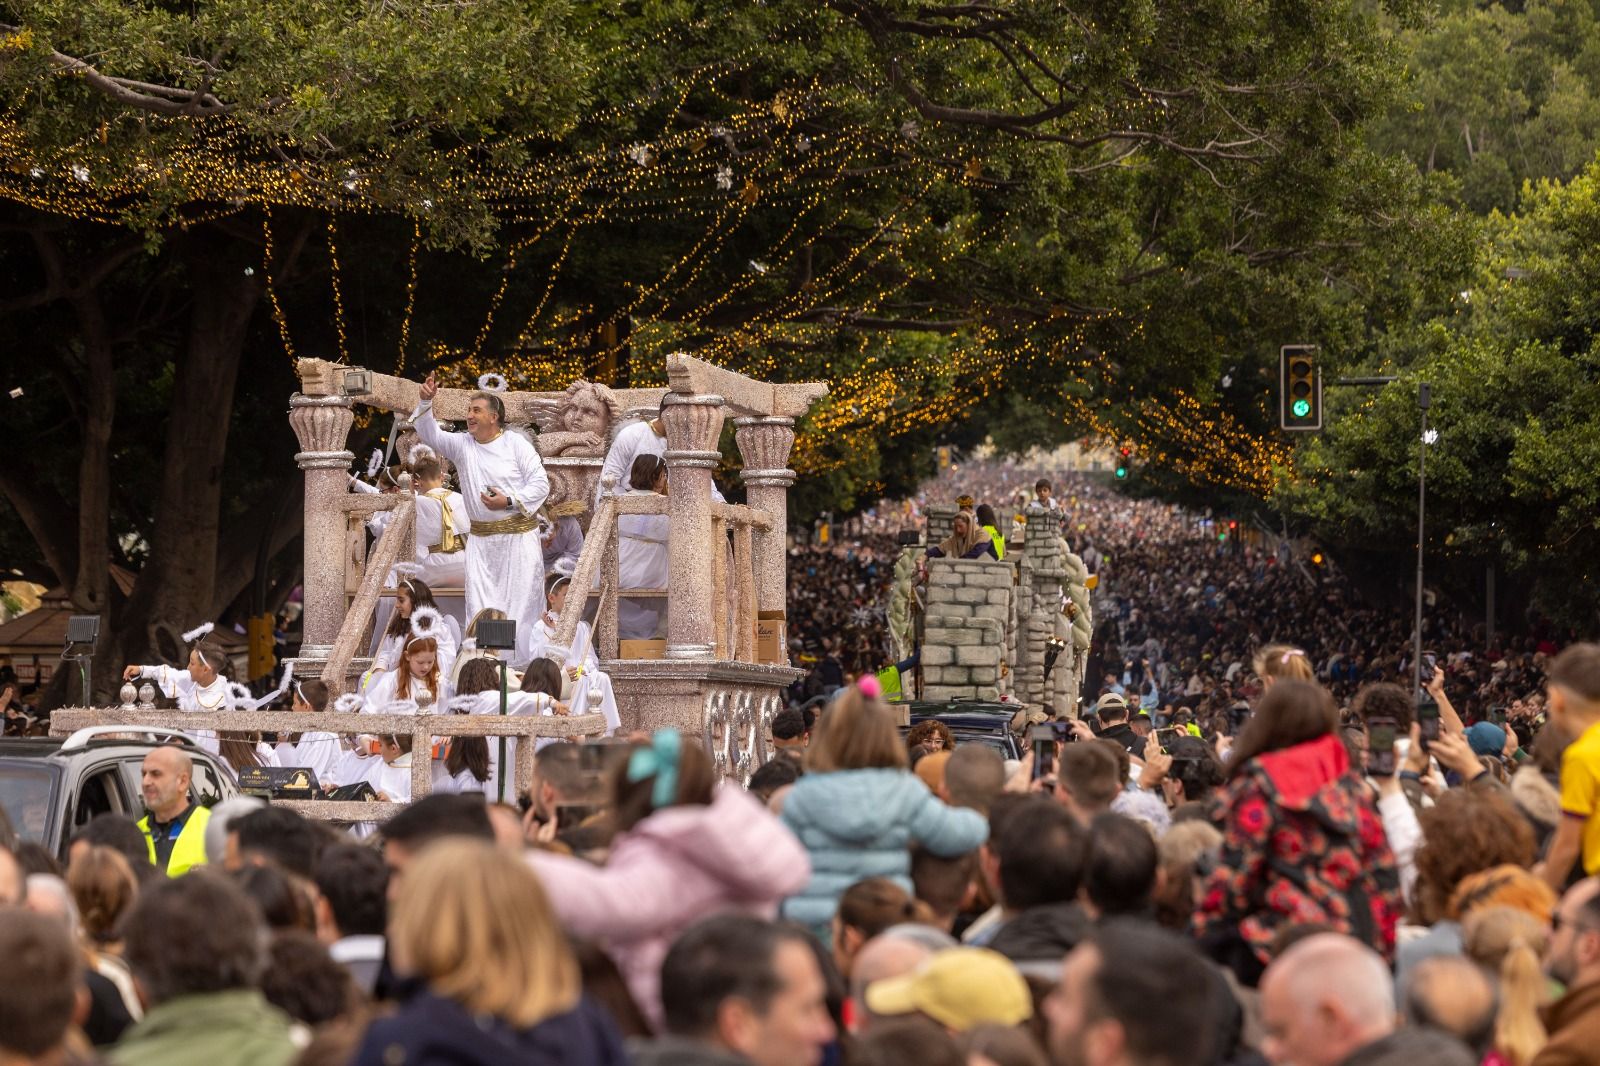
(1041, 573)
(971, 613)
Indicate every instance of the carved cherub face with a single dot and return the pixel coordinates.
(587, 413)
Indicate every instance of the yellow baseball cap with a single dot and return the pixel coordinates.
(959, 988)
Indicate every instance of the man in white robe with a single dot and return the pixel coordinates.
(503, 485)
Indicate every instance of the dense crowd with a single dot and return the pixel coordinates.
(1250, 847)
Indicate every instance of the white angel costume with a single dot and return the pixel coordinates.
(442, 524)
(504, 557)
(318, 751)
(384, 691)
(591, 692)
(517, 703)
(633, 440)
(204, 699)
(641, 564)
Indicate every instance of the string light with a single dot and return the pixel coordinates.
(272, 289)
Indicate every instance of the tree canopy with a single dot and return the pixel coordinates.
(965, 217)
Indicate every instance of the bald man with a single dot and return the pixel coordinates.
(173, 827)
(1323, 999)
(1453, 995)
(889, 954)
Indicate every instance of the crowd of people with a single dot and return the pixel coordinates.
(1249, 845)
(1308, 886)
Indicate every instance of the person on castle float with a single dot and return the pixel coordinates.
(644, 437)
(317, 750)
(413, 599)
(503, 484)
(478, 692)
(966, 540)
(642, 555)
(420, 677)
(442, 524)
(591, 688)
(201, 688)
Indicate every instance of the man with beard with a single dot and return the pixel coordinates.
(1573, 958)
(1136, 995)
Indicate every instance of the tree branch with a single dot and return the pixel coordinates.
(144, 95)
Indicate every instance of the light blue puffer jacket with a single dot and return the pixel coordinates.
(861, 823)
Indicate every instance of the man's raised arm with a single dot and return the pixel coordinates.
(427, 427)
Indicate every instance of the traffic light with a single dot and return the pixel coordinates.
(261, 659)
(1124, 453)
(1299, 388)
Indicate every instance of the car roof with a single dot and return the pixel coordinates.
(50, 747)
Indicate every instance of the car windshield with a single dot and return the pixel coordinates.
(25, 787)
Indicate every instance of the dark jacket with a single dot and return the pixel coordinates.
(1123, 734)
(1042, 934)
(1303, 844)
(1574, 1025)
(680, 1051)
(1414, 1047)
(433, 1031)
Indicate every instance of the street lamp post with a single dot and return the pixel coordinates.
(1424, 401)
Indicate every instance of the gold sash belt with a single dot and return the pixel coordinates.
(450, 541)
(521, 523)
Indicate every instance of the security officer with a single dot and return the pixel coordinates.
(174, 828)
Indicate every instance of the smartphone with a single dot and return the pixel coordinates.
(1165, 737)
(1042, 739)
(1497, 715)
(1430, 666)
(1380, 745)
(1428, 721)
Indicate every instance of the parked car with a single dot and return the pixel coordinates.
(50, 787)
(971, 721)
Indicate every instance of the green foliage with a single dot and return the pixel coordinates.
(1499, 94)
(1515, 374)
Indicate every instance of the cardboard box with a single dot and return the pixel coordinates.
(642, 649)
(772, 644)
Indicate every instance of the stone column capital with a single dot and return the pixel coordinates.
(764, 445)
(692, 425)
(322, 425)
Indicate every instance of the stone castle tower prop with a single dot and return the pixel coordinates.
(1017, 628)
(710, 681)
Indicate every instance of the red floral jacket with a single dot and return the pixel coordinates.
(1303, 844)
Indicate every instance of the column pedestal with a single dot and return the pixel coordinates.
(322, 425)
(692, 425)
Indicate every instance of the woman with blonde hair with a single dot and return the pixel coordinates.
(104, 888)
(859, 807)
(1274, 662)
(500, 982)
(967, 540)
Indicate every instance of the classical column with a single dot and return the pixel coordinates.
(322, 424)
(764, 445)
(692, 425)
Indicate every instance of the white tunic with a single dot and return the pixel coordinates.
(642, 563)
(205, 699)
(592, 691)
(385, 687)
(517, 703)
(317, 751)
(441, 569)
(633, 440)
(503, 570)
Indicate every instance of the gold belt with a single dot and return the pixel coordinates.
(521, 523)
(457, 544)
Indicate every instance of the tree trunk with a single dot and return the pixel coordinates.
(178, 584)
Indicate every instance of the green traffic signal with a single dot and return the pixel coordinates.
(1122, 473)
(1301, 408)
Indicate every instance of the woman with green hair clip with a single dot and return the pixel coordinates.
(686, 845)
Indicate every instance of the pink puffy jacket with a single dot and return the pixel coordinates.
(675, 867)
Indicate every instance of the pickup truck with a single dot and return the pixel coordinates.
(51, 787)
